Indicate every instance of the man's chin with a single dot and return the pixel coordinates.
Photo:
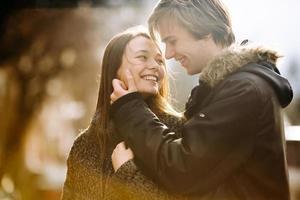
(192, 72)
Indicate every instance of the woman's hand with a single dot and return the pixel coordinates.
(121, 155)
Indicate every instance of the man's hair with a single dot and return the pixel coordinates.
(199, 17)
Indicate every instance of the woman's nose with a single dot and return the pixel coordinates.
(154, 64)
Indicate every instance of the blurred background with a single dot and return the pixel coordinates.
(50, 59)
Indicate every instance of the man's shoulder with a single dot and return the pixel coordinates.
(252, 85)
(246, 78)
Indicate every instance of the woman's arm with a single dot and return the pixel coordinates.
(128, 181)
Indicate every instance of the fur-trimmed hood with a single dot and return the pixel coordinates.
(232, 59)
(256, 60)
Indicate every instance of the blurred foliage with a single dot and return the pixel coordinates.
(49, 71)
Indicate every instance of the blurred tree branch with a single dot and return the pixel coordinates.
(30, 57)
(38, 49)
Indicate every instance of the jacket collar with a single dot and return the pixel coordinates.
(232, 59)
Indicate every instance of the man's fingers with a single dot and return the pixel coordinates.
(130, 81)
(120, 89)
(121, 146)
(118, 85)
(113, 98)
(123, 85)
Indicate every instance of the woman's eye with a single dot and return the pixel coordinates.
(142, 57)
(160, 62)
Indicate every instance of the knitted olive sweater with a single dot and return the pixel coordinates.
(88, 178)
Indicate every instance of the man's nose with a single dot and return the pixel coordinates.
(169, 53)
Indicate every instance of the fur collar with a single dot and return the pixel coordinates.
(232, 59)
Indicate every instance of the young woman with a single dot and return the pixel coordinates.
(90, 172)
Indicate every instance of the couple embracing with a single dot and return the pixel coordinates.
(228, 144)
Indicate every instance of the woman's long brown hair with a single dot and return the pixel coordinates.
(111, 62)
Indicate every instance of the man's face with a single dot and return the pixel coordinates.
(193, 54)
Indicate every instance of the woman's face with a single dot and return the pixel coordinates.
(143, 59)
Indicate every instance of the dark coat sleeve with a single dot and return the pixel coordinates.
(129, 182)
(214, 143)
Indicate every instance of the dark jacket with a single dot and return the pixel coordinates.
(232, 145)
(88, 178)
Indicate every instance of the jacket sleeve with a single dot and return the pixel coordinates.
(217, 140)
(130, 183)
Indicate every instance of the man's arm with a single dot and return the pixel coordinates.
(215, 142)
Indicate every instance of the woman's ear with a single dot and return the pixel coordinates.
(121, 73)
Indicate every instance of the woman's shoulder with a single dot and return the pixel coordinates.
(85, 149)
(84, 168)
(173, 122)
(172, 119)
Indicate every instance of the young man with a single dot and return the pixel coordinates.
(232, 145)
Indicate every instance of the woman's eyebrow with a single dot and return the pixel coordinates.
(146, 52)
(142, 51)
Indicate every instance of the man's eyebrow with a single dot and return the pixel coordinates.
(166, 39)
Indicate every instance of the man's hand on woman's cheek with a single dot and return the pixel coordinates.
(120, 89)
